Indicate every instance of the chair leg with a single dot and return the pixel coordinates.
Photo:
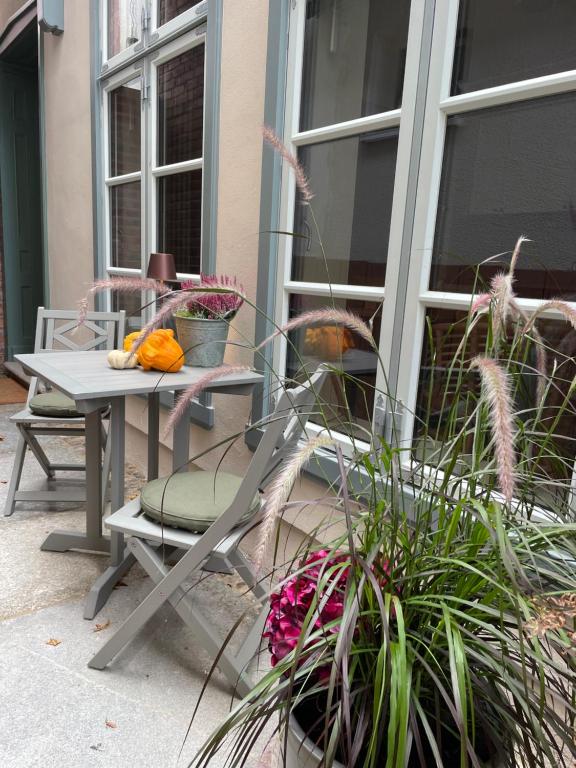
(244, 569)
(106, 464)
(38, 452)
(229, 665)
(15, 477)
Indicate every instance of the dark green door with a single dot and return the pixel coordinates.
(21, 216)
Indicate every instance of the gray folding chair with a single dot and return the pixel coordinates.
(226, 507)
(50, 413)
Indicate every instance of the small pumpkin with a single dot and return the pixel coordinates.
(328, 341)
(119, 358)
(160, 350)
(130, 339)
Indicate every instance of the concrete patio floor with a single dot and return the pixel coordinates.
(55, 711)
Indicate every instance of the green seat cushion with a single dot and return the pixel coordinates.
(53, 403)
(193, 500)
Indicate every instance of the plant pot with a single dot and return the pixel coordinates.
(301, 752)
(203, 340)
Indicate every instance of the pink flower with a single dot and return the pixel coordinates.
(291, 604)
(214, 304)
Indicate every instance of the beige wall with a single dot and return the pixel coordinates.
(68, 153)
(240, 147)
(7, 9)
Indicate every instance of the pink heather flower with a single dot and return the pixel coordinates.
(213, 304)
(290, 605)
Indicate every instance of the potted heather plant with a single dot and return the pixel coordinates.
(202, 324)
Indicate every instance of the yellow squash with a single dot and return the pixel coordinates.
(160, 351)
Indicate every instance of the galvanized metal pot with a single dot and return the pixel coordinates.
(301, 752)
(203, 340)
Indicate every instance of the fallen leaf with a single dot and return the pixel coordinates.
(111, 724)
(53, 641)
(120, 584)
(3, 482)
(100, 627)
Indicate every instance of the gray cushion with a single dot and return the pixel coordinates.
(53, 403)
(193, 500)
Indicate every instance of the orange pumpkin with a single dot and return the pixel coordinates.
(160, 351)
(327, 342)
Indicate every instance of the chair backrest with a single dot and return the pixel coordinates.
(57, 330)
(283, 431)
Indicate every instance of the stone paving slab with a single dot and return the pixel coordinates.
(53, 709)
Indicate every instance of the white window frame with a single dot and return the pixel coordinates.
(146, 70)
(440, 105)
(403, 119)
(148, 29)
(195, 37)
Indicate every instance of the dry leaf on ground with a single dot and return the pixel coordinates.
(111, 724)
(53, 641)
(100, 627)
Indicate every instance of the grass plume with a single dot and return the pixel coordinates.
(496, 389)
(280, 489)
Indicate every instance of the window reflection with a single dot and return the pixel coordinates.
(125, 128)
(508, 171)
(356, 49)
(353, 186)
(448, 394)
(181, 107)
(124, 24)
(504, 41)
(125, 218)
(180, 219)
(348, 401)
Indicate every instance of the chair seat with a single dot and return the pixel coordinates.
(193, 500)
(53, 403)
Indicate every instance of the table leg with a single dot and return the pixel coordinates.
(181, 444)
(120, 559)
(153, 434)
(61, 541)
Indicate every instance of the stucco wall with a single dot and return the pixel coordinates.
(68, 157)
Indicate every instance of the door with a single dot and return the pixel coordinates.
(21, 217)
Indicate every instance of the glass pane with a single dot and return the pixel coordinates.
(124, 24)
(353, 184)
(169, 9)
(508, 171)
(439, 389)
(132, 303)
(310, 346)
(125, 226)
(354, 57)
(125, 128)
(181, 107)
(180, 219)
(503, 41)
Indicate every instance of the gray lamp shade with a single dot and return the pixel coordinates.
(162, 267)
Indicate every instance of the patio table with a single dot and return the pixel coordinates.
(87, 378)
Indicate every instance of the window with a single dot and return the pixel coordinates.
(153, 98)
(343, 118)
(434, 134)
